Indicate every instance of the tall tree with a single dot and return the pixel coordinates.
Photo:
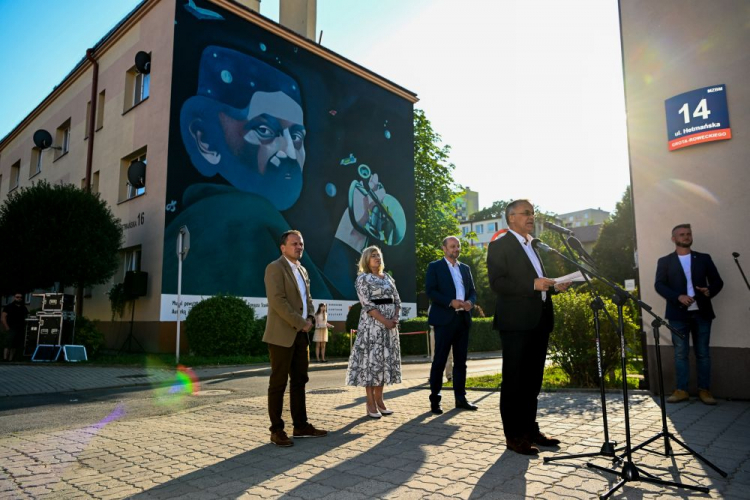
(57, 234)
(435, 193)
(614, 251)
(497, 209)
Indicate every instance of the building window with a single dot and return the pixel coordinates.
(132, 259)
(88, 121)
(100, 111)
(63, 139)
(479, 229)
(464, 230)
(127, 190)
(15, 175)
(137, 87)
(36, 162)
(94, 182)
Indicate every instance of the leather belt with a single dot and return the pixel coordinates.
(380, 302)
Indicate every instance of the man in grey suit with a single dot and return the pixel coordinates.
(290, 318)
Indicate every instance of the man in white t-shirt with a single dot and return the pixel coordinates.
(689, 280)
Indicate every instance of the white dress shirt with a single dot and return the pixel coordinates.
(300, 285)
(458, 280)
(531, 254)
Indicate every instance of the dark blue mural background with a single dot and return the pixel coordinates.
(234, 227)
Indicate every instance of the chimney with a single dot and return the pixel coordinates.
(299, 16)
(253, 5)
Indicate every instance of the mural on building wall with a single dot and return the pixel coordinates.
(266, 137)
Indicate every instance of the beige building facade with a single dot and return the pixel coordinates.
(138, 119)
(669, 48)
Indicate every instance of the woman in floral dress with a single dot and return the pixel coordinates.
(376, 356)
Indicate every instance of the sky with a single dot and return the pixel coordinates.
(527, 93)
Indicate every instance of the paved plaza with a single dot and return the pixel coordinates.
(223, 451)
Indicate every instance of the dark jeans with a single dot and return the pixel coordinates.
(524, 355)
(700, 329)
(456, 335)
(288, 363)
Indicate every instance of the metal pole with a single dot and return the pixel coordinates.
(179, 296)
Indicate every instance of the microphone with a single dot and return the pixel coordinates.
(576, 245)
(735, 254)
(539, 245)
(558, 229)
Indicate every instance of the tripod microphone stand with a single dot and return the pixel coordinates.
(608, 447)
(630, 471)
(736, 261)
(656, 323)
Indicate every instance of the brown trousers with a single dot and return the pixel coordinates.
(288, 363)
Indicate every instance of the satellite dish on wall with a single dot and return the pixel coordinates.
(42, 139)
(137, 174)
(143, 62)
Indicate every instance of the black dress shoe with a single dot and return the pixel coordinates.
(543, 440)
(436, 409)
(465, 405)
(522, 446)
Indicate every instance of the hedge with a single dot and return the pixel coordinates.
(481, 338)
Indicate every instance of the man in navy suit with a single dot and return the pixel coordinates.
(689, 280)
(524, 318)
(451, 289)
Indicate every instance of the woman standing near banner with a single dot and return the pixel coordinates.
(376, 356)
(321, 332)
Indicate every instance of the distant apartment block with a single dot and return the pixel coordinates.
(466, 204)
(587, 217)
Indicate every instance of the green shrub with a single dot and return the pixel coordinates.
(352, 317)
(481, 338)
(223, 325)
(573, 342)
(88, 335)
(338, 345)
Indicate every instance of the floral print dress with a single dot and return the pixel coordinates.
(376, 355)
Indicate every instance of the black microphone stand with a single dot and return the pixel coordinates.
(736, 261)
(608, 447)
(656, 323)
(630, 471)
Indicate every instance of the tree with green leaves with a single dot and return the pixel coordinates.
(57, 234)
(496, 210)
(435, 194)
(476, 259)
(614, 251)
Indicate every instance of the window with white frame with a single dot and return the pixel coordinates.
(137, 87)
(127, 190)
(15, 175)
(62, 138)
(36, 162)
(132, 259)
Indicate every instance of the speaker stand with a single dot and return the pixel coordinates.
(131, 338)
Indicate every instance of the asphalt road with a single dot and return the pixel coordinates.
(72, 410)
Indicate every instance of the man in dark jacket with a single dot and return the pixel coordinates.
(524, 318)
(451, 289)
(689, 280)
(14, 322)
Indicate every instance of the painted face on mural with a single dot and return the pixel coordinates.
(247, 125)
(271, 140)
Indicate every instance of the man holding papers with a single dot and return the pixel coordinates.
(524, 318)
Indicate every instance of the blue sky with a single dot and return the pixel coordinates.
(528, 93)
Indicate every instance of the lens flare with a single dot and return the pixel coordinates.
(695, 190)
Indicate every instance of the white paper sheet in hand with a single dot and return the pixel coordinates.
(576, 276)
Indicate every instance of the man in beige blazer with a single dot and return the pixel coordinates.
(290, 318)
